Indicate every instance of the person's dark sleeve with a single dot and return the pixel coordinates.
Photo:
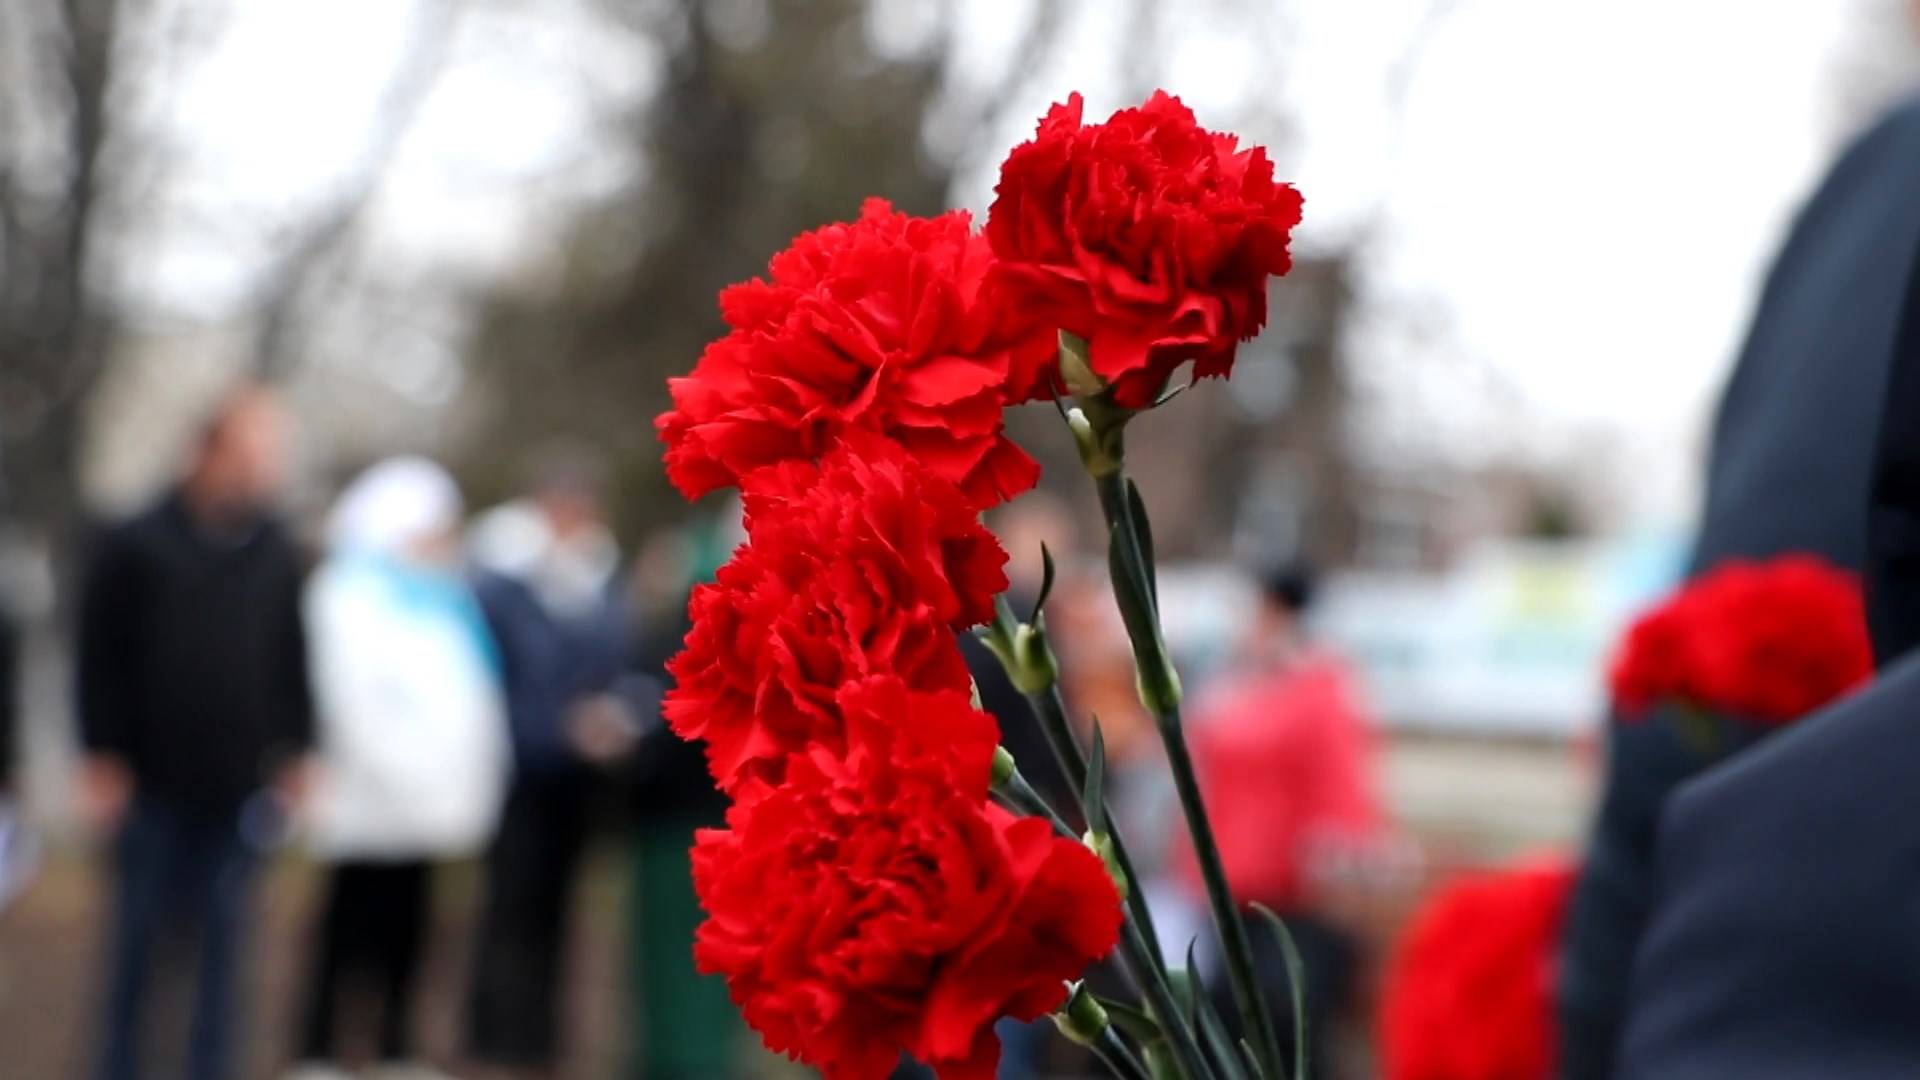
(635, 683)
(537, 743)
(296, 709)
(641, 694)
(106, 651)
(1893, 523)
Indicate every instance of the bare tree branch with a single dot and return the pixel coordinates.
(52, 336)
(325, 238)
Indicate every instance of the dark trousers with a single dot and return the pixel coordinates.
(513, 1015)
(183, 880)
(371, 937)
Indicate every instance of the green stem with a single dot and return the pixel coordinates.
(1160, 691)
(1119, 1057)
(1020, 796)
(1141, 961)
(1051, 708)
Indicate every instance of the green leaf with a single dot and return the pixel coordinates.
(1093, 796)
(1296, 988)
(1137, 607)
(1169, 395)
(1181, 982)
(1252, 1062)
(1224, 1055)
(1146, 1032)
(1136, 1022)
(1205, 1022)
(1046, 583)
(1056, 392)
(1196, 992)
(1137, 509)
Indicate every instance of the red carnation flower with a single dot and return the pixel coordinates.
(875, 902)
(1761, 641)
(1655, 661)
(1148, 236)
(879, 323)
(1781, 639)
(1469, 991)
(865, 564)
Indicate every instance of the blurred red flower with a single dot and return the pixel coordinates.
(1655, 661)
(1767, 642)
(879, 323)
(862, 565)
(875, 902)
(1469, 990)
(1148, 236)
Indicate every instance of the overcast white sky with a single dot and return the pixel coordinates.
(1574, 200)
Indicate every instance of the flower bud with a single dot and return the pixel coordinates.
(1036, 669)
(1101, 844)
(1083, 437)
(1082, 1019)
(1004, 767)
(1160, 690)
(1098, 426)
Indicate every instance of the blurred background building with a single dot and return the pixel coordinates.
(459, 227)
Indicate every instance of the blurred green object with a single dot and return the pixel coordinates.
(710, 544)
(684, 1025)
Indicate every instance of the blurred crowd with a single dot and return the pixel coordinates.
(423, 688)
(412, 685)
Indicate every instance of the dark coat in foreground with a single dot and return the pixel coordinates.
(1791, 470)
(1785, 939)
(1793, 446)
(1785, 936)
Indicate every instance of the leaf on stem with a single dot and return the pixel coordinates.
(1139, 1025)
(1196, 993)
(1296, 987)
(1059, 393)
(1137, 509)
(1046, 583)
(1253, 1063)
(1093, 796)
(1121, 568)
(1205, 1021)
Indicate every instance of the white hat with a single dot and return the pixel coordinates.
(393, 505)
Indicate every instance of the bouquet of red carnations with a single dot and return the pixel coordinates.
(887, 881)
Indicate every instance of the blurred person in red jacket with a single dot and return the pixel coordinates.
(1285, 755)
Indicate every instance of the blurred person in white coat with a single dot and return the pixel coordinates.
(413, 742)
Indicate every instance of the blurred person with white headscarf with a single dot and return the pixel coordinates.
(413, 740)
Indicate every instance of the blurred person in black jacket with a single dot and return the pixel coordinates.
(193, 701)
(1791, 470)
